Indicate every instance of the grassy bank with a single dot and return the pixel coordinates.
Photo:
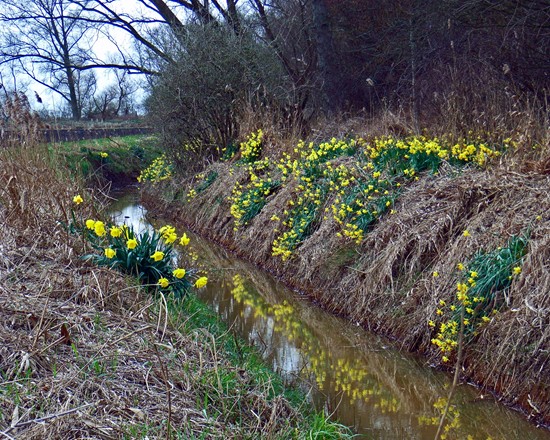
(401, 235)
(87, 352)
(108, 159)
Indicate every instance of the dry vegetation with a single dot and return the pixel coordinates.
(86, 353)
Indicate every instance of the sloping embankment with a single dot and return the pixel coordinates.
(393, 282)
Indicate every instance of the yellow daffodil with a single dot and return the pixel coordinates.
(170, 238)
(179, 273)
(435, 274)
(516, 270)
(460, 266)
(466, 233)
(115, 232)
(99, 228)
(103, 154)
(201, 282)
(157, 256)
(90, 224)
(163, 282)
(184, 240)
(78, 199)
(132, 243)
(110, 253)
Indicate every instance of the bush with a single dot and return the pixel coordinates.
(197, 102)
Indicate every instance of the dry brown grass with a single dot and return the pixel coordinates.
(86, 353)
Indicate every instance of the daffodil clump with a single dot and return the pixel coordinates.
(480, 294)
(205, 180)
(368, 188)
(301, 216)
(149, 256)
(250, 196)
(419, 153)
(312, 181)
(160, 169)
(362, 197)
(248, 200)
(251, 149)
(361, 180)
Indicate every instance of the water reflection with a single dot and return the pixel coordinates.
(381, 392)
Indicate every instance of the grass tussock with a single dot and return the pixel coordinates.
(87, 353)
(390, 261)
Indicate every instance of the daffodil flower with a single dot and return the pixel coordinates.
(201, 282)
(115, 232)
(110, 253)
(178, 273)
(78, 199)
(90, 224)
(184, 240)
(132, 243)
(163, 282)
(157, 256)
(99, 228)
(170, 238)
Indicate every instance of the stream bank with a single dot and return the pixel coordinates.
(386, 284)
(359, 378)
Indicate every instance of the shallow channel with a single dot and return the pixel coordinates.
(356, 376)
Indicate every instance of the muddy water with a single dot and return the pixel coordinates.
(360, 378)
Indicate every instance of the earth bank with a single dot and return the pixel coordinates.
(393, 282)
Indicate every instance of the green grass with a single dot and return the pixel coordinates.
(195, 316)
(126, 156)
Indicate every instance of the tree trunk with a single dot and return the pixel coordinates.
(75, 107)
(326, 58)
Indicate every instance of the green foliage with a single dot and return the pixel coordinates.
(322, 428)
(249, 200)
(481, 293)
(229, 151)
(495, 271)
(206, 181)
(110, 157)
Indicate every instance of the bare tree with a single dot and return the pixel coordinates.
(115, 99)
(47, 41)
